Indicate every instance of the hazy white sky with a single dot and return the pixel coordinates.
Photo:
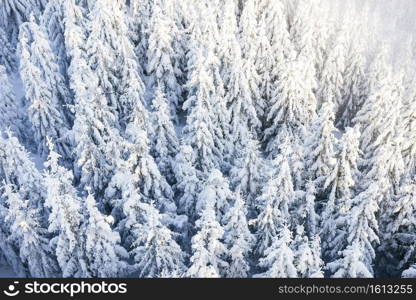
(393, 21)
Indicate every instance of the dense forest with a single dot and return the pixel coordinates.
(204, 138)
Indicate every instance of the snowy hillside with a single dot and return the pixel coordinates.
(207, 138)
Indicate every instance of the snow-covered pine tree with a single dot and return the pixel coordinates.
(7, 57)
(248, 38)
(28, 235)
(95, 132)
(332, 81)
(341, 182)
(139, 23)
(246, 174)
(319, 148)
(301, 29)
(381, 140)
(399, 239)
(75, 32)
(351, 265)
(162, 57)
(239, 92)
(305, 209)
(103, 254)
(238, 239)
(408, 124)
(155, 251)
(45, 91)
(324, 28)
(274, 203)
(217, 191)
(10, 117)
(9, 253)
(151, 183)
(274, 47)
(358, 256)
(188, 182)
(114, 66)
(278, 260)
(14, 12)
(65, 217)
(289, 113)
(18, 169)
(354, 90)
(165, 144)
(53, 22)
(208, 250)
(307, 255)
(380, 86)
(199, 131)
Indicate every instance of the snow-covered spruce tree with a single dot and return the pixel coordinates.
(319, 148)
(324, 28)
(208, 39)
(95, 132)
(10, 117)
(28, 235)
(139, 23)
(354, 90)
(248, 38)
(18, 169)
(246, 174)
(399, 239)
(97, 142)
(200, 130)
(65, 218)
(371, 116)
(382, 141)
(7, 57)
(307, 255)
(278, 260)
(151, 183)
(341, 184)
(208, 250)
(301, 33)
(216, 189)
(14, 12)
(9, 253)
(239, 92)
(274, 47)
(289, 113)
(155, 251)
(408, 124)
(332, 80)
(162, 57)
(304, 210)
(103, 254)
(111, 56)
(165, 144)
(45, 91)
(188, 182)
(358, 256)
(274, 203)
(351, 265)
(53, 22)
(237, 238)
(75, 32)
